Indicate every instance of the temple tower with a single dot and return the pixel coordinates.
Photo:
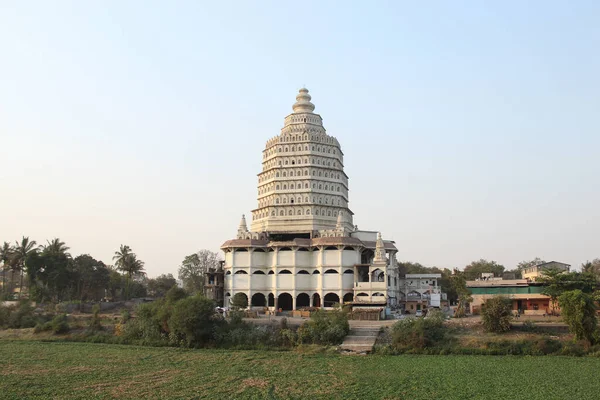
(302, 187)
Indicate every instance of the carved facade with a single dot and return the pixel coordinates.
(302, 248)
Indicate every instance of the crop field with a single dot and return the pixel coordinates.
(30, 369)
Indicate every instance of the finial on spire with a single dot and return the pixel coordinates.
(243, 227)
(303, 104)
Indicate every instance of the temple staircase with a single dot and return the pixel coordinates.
(361, 339)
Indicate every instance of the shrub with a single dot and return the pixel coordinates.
(418, 333)
(59, 324)
(530, 326)
(95, 324)
(496, 314)
(324, 327)
(579, 313)
(125, 315)
(546, 346)
(193, 321)
(239, 301)
(19, 317)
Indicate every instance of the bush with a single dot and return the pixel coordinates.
(59, 324)
(579, 312)
(193, 321)
(18, 317)
(418, 333)
(125, 315)
(325, 328)
(239, 301)
(496, 314)
(95, 324)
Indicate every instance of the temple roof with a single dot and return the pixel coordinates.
(301, 242)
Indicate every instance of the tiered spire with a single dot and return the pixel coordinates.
(243, 228)
(303, 104)
(379, 250)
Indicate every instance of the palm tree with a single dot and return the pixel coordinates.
(6, 254)
(55, 246)
(127, 261)
(22, 251)
(121, 256)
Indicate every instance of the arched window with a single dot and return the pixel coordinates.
(331, 271)
(285, 272)
(241, 273)
(303, 272)
(281, 213)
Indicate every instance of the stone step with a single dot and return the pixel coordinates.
(369, 342)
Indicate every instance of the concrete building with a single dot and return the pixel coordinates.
(302, 248)
(420, 291)
(532, 273)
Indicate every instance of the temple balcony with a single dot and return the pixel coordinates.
(370, 286)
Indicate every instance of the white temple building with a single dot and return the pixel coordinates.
(302, 248)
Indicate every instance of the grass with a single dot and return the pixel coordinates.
(32, 369)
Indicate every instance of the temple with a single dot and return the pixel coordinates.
(302, 248)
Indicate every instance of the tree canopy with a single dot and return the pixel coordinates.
(476, 268)
(194, 267)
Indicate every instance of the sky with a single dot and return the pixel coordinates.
(470, 129)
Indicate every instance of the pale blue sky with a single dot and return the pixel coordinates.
(470, 129)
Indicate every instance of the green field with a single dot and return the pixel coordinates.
(32, 369)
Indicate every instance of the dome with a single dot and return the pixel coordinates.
(303, 104)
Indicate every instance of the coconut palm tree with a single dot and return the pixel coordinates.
(22, 251)
(55, 246)
(6, 254)
(121, 257)
(127, 262)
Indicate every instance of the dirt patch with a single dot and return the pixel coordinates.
(253, 383)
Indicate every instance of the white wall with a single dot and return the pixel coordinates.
(332, 257)
(286, 258)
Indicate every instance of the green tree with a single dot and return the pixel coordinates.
(50, 272)
(6, 256)
(592, 267)
(476, 268)
(239, 301)
(193, 321)
(194, 267)
(556, 282)
(55, 246)
(579, 312)
(459, 285)
(127, 262)
(22, 250)
(159, 286)
(91, 278)
(496, 314)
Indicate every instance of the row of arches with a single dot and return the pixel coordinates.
(316, 170)
(314, 184)
(289, 211)
(282, 249)
(281, 161)
(291, 198)
(285, 301)
(288, 272)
